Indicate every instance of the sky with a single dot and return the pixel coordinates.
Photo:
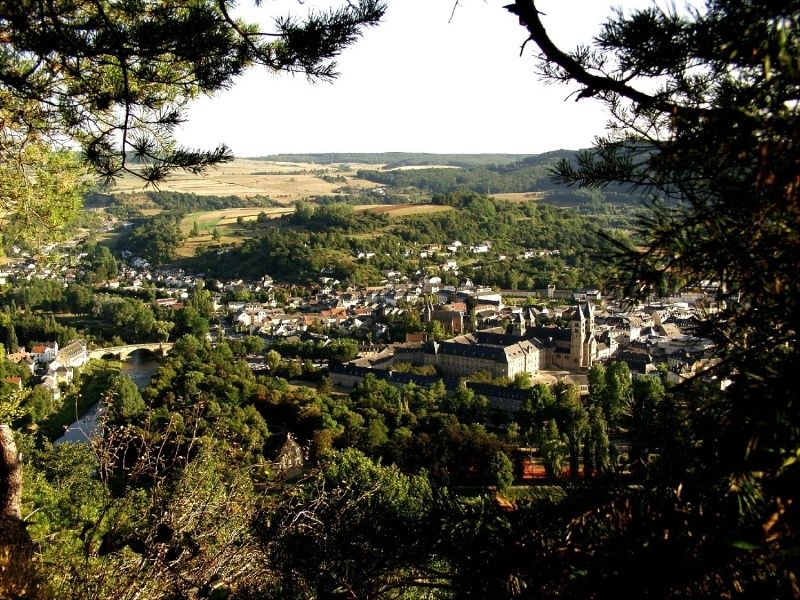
(419, 82)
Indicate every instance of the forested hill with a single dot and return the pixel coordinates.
(406, 159)
(529, 174)
(480, 173)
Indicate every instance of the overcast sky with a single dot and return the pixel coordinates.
(417, 83)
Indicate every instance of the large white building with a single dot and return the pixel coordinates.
(526, 348)
(73, 354)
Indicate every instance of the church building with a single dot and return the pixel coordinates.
(524, 348)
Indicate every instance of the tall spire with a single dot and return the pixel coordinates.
(578, 313)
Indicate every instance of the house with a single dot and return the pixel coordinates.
(44, 353)
(51, 385)
(452, 320)
(252, 316)
(449, 265)
(435, 280)
(59, 372)
(289, 462)
(22, 358)
(172, 303)
(13, 381)
(639, 361)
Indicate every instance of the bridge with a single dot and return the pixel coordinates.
(123, 352)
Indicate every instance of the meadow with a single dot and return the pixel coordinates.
(519, 196)
(403, 210)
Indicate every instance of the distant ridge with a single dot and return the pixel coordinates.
(407, 159)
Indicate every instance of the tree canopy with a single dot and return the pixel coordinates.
(114, 76)
(705, 112)
(183, 502)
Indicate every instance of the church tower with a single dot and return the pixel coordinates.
(576, 336)
(427, 312)
(583, 346)
(589, 341)
(519, 327)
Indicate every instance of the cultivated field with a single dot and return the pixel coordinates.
(284, 182)
(227, 217)
(420, 167)
(519, 196)
(226, 222)
(243, 177)
(404, 210)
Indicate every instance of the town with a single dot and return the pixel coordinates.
(493, 338)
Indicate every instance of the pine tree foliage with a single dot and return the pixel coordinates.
(704, 106)
(114, 75)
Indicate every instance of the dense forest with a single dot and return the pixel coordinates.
(531, 174)
(173, 201)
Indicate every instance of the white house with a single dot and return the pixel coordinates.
(44, 353)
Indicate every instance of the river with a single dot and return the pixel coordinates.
(138, 367)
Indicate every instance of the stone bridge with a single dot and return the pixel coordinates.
(123, 352)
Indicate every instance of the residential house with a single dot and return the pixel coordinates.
(44, 353)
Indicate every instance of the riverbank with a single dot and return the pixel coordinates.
(79, 422)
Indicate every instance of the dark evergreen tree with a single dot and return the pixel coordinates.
(115, 76)
(705, 109)
(12, 344)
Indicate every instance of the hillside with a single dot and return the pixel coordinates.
(407, 177)
(245, 178)
(398, 159)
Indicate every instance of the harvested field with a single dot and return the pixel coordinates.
(421, 167)
(225, 221)
(207, 220)
(520, 196)
(284, 182)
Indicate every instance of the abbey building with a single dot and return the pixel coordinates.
(524, 348)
